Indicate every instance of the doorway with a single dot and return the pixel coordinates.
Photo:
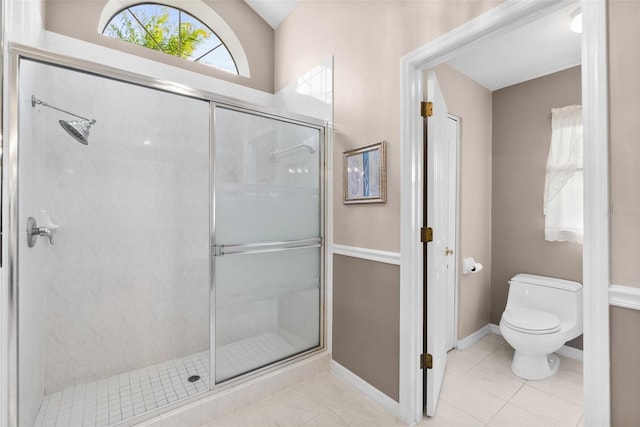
(596, 265)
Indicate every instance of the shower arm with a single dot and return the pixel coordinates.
(35, 101)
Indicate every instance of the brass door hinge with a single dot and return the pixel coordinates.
(426, 109)
(426, 361)
(426, 234)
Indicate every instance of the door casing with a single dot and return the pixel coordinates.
(596, 263)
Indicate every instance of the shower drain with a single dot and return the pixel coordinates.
(193, 378)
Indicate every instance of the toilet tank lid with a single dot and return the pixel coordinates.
(552, 282)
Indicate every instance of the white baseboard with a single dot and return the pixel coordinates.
(367, 389)
(470, 340)
(571, 353)
(566, 351)
(495, 329)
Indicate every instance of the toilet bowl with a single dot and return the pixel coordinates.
(542, 314)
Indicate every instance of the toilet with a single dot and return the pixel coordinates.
(542, 314)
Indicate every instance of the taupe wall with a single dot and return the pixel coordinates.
(472, 103)
(366, 320)
(79, 19)
(521, 138)
(625, 375)
(624, 62)
(624, 85)
(367, 39)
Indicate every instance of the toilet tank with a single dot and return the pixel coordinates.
(558, 296)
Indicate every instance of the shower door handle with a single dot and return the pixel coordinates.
(265, 247)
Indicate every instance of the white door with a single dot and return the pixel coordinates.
(453, 135)
(437, 172)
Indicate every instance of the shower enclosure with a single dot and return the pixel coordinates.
(178, 251)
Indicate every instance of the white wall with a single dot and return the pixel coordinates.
(128, 284)
(32, 271)
(310, 94)
(23, 21)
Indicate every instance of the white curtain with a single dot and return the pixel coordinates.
(563, 187)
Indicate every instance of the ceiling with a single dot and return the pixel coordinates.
(532, 50)
(272, 11)
(543, 46)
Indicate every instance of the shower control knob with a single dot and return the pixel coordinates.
(45, 232)
(33, 231)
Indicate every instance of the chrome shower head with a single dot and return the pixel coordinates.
(78, 129)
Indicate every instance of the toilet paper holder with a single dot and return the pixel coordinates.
(469, 265)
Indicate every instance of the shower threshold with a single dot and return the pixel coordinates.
(130, 394)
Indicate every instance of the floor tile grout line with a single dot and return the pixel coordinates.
(463, 410)
(554, 396)
(506, 403)
(558, 395)
(538, 415)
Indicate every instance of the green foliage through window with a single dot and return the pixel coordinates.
(171, 31)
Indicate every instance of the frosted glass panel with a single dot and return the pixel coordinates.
(267, 308)
(267, 179)
(267, 191)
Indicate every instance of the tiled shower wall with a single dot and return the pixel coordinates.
(128, 281)
(32, 270)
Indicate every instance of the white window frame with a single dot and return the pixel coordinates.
(199, 10)
(563, 222)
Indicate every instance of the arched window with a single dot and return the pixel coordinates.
(173, 31)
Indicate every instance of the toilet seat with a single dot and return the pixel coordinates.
(531, 321)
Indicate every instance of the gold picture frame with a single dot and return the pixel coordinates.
(364, 177)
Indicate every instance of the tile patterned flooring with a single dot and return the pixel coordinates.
(478, 390)
(250, 353)
(129, 394)
(120, 397)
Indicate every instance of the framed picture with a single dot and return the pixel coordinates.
(365, 174)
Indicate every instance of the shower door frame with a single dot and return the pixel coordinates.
(10, 155)
(212, 301)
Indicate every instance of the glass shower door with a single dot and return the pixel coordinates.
(267, 247)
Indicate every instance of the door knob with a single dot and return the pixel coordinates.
(448, 251)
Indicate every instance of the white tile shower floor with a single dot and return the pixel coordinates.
(251, 353)
(124, 396)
